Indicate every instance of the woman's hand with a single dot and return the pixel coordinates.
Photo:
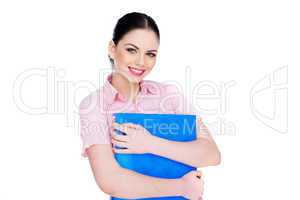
(193, 185)
(137, 139)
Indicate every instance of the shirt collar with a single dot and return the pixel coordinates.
(112, 94)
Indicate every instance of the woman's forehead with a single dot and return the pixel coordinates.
(142, 38)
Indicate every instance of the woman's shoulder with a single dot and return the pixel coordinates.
(91, 100)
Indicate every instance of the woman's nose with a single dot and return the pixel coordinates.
(140, 60)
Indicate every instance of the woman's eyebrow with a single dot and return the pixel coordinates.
(132, 45)
(152, 50)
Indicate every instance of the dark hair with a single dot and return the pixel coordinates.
(131, 21)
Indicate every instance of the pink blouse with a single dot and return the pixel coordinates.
(97, 108)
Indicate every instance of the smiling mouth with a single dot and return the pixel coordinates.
(135, 71)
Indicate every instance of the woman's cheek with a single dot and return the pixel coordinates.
(129, 59)
(123, 57)
(151, 62)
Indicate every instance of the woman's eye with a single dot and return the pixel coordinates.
(131, 50)
(151, 54)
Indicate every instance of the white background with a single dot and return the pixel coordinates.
(250, 45)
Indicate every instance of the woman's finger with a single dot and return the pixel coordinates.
(121, 150)
(119, 143)
(130, 125)
(120, 127)
(119, 137)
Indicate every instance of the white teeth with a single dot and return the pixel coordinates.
(136, 70)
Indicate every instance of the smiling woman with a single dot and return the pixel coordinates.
(132, 52)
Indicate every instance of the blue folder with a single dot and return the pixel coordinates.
(175, 127)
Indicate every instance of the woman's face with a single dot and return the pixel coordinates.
(135, 54)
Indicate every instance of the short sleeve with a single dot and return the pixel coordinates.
(93, 123)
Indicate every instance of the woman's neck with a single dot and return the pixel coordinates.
(127, 89)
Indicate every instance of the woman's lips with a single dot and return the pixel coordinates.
(135, 71)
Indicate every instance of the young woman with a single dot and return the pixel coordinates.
(132, 52)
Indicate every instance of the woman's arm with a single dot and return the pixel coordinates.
(122, 183)
(198, 153)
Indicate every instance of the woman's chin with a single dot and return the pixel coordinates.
(136, 78)
(131, 77)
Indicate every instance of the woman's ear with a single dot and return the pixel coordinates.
(111, 49)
